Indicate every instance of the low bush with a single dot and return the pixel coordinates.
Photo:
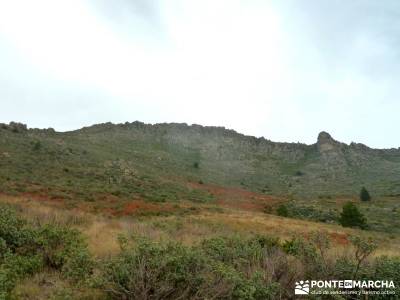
(234, 267)
(64, 249)
(259, 267)
(219, 268)
(293, 210)
(387, 268)
(154, 271)
(282, 211)
(27, 249)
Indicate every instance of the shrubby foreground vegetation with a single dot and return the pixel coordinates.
(27, 249)
(219, 267)
(195, 209)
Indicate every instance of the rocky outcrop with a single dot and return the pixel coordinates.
(326, 143)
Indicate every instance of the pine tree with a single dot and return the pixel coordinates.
(364, 194)
(352, 217)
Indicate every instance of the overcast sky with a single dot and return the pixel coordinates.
(284, 70)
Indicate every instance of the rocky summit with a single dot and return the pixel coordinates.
(137, 158)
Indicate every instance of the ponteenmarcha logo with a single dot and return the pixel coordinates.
(302, 287)
(307, 287)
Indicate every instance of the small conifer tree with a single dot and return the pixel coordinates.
(282, 211)
(352, 217)
(364, 194)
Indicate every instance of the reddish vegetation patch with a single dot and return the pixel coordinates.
(138, 206)
(229, 197)
(237, 198)
(335, 237)
(339, 238)
(110, 211)
(108, 198)
(43, 197)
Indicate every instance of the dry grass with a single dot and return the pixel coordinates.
(46, 212)
(102, 232)
(49, 285)
(102, 237)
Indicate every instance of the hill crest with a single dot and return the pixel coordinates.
(119, 153)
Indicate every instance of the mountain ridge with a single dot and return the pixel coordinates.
(109, 125)
(199, 153)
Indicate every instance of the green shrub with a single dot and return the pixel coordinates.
(235, 267)
(357, 264)
(259, 254)
(22, 265)
(364, 194)
(153, 271)
(215, 269)
(14, 238)
(55, 244)
(312, 254)
(282, 211)
(267, 242)
(14, 267)
(12, 229)
(26, 250)
(7, 282)
(64, 249)
(310, 213)
(352, 217)
(233, 250)
(79, 266)
(387, 268)
(3, 248)
(36, 146)
(344, 267)
(363, 249)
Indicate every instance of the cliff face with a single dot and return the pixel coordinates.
(194, 153)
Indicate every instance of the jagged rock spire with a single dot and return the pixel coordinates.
(324, 137)
(326, 142)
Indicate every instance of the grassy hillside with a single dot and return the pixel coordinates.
(191, 209)
(156, 163)
(222, 254)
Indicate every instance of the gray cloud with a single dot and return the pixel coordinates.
(128, 15)
(360, 34)
(120, 8)
(152, 61)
